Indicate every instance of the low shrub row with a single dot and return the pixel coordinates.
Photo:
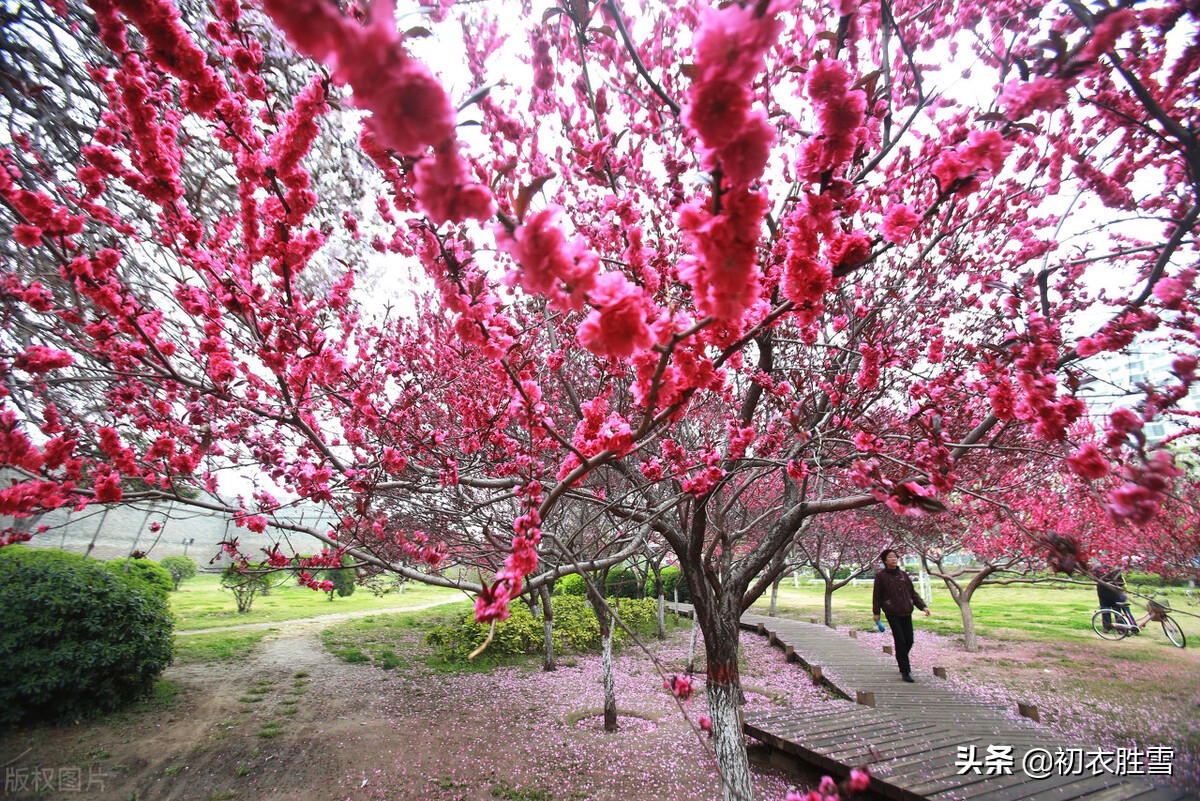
(628, 584)
(575, 626)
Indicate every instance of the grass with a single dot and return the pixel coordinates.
(201, 602)
(221, 646)
(1046, 613)
(381, 641)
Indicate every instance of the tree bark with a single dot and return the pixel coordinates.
(691, 663)
(610, 690)
(662, 604)
(774, 609)
(548, 663)
(829, 604)
(600, 608)
(970, 640)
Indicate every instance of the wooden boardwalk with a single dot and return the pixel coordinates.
(918, 738)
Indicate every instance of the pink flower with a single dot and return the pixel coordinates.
(860, 780)
(548, 264)
(985, 150)
(682, 687)
(40, 359)
(730, 42)
(1173, 291)
(828, 81)
(745, 158)
(1107, 32)
(108, 488)
(717, 111)
(1021, 99)
(28, 235)
(898, 223)
(1087, 462)
(617, 327)
(1125, 420)
(705, 723)
(446, 191)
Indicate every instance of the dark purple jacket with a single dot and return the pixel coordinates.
(895, 593)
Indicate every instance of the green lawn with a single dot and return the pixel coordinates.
(1052, 613)
(201, 603)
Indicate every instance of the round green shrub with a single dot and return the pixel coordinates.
(180, 567)
(572, 584)
(76, 640)
(143, 575)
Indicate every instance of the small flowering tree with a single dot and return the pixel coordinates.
(681, 261)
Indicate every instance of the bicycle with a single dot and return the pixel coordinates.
(1122, 623)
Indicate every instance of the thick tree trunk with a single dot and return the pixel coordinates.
(548, 662)
(729, 742)
(774, 609)
(829, 604)
(724, 700)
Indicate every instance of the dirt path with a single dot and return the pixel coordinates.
(291, 721)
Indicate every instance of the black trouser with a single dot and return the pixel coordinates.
(902, 636)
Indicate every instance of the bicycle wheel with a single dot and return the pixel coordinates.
(1173, 632)
(1117, 627)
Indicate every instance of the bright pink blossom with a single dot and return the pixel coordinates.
(617, 327)
(898, 223)
(1087, 462)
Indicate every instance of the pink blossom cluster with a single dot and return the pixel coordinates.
(962, 169)
(1146, 484)
(411, 112)
(492, 601)
(724, 252)
(616, 327)
(841, 111)
(807, 276)
(828, 789)
(729, 48)
(681, 686)
(549, 263)
(908, 498)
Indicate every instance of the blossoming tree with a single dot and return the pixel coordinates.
(680, 260)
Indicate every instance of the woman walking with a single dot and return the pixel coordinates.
(896, 596)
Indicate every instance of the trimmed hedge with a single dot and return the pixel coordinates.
(75, 640)
(575, 628)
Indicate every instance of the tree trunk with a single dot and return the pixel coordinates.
(829, 604)
(774, 608)
(729, 742)
(610, 690)
(691, 663)
(724, 698)
(600, 608)
(970, 640)
(548, 662)
(662, 604)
